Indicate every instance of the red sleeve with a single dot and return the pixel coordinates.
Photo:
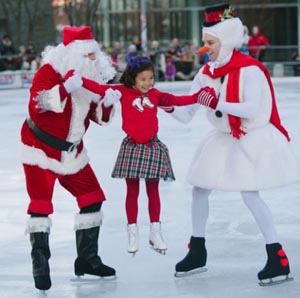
(167, 99)
(265, 41)
(106, 113)
(94, 86)
(46, 79)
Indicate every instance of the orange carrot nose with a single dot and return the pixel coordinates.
(202, 50)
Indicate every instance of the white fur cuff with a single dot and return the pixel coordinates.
(88, 220)
(38, 224)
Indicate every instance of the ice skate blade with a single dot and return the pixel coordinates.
(160, 251)
(42, 293)
(132, 253)
(96, 279)
(191, 272)
(271, 282)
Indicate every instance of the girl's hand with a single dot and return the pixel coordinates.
(111, 96)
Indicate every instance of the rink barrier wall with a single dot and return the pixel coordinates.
(16, 79)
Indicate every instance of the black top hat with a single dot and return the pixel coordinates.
(217, 13)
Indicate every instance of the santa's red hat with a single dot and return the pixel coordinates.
(71, 34)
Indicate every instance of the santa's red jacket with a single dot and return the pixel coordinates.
(63, 116)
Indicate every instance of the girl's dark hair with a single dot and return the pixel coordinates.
(133, 68)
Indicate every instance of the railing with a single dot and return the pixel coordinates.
(280, 60)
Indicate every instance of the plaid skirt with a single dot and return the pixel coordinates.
(148, 161)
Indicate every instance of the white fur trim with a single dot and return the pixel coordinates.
(99, 112)
(88, 220)
(83, 47)
(70, 165)
(38, 224)
(54, 101)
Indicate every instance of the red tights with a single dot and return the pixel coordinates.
(133, 189)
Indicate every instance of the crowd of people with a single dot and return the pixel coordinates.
(174, 62)
(26, 58)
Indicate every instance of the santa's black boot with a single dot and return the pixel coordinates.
(277, 265)
(40, 252)
(195, 260)
(88, 261)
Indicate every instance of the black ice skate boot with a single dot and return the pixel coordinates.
(40, 252)
(87, 233)
(195, 260)
(277, 266)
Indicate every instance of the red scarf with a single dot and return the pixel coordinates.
(232, 68)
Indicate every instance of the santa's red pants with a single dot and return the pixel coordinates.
(133, 188)
(83, 185)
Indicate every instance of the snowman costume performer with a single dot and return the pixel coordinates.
(60, 111)
(248, 149)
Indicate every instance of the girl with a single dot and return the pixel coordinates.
(142, 155)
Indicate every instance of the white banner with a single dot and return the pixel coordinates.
(15, 79)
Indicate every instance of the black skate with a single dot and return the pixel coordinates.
(195, 260)
(40, 255)
(277, 268)
(88, 261)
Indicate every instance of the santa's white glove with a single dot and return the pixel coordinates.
(73, 83)
(111, 96)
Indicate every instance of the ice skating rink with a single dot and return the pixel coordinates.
(235, 246)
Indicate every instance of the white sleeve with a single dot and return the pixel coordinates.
(185, 114)
(253, 79)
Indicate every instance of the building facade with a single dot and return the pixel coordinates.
(120, 20)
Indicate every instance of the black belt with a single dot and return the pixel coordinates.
(51, 140)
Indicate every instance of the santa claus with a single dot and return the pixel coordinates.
(60, 111)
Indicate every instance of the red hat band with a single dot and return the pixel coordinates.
(216, 14)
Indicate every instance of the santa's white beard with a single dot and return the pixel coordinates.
(86, 67)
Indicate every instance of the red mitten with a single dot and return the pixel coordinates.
(167, 109)
(69, 74)
(207, 97)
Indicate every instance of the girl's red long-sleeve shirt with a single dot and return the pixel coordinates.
(140, 126)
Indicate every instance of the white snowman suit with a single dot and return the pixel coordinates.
(260, 159)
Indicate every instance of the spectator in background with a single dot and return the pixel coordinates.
(20, 60)
(8, 50)
(158, 58)
(131, 53)
(36, 63)
(137, 42)
(176, 48)
(296, 66)
(185, 67)
(117, 55)
(244, 48)
(30, 52)
(170, 71)
(257, 43)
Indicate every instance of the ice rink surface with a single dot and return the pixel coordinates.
(236, 250)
